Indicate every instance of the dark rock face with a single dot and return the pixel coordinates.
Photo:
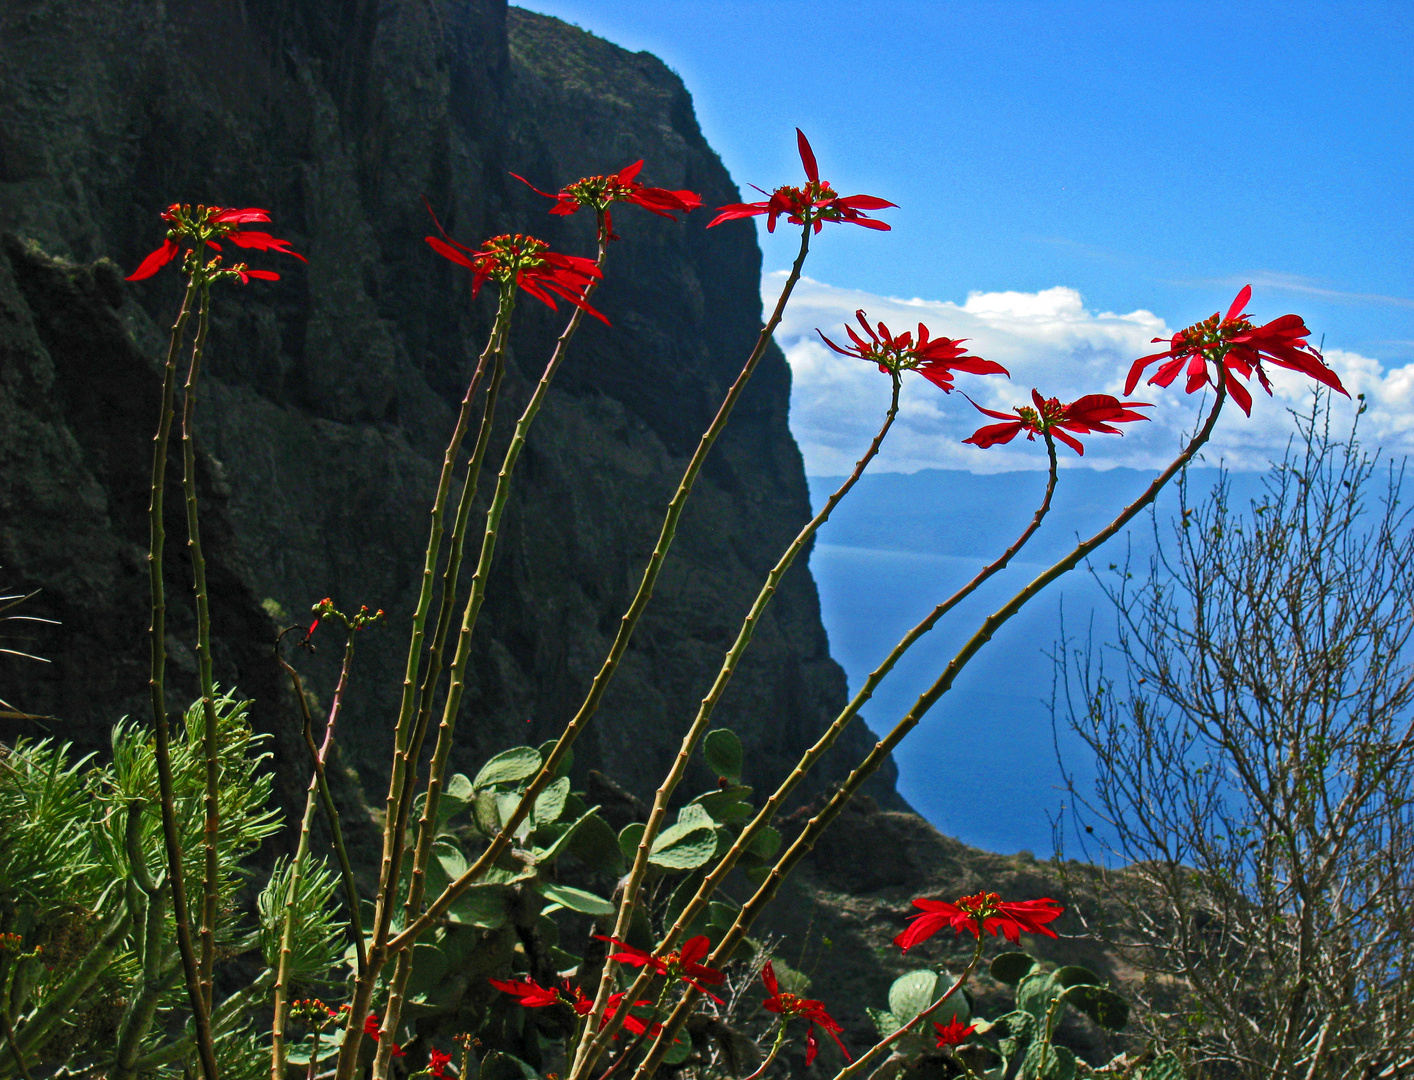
(330, 393)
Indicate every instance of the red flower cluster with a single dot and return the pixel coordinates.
(814, 204)
(976, 914)
(1087, 415)
(534, 996)
(933, 358)
(599, 192)
(437, 1062)
(676, 965)
(370, 1028)
(953, 1033)
(807, 1008)
(527, 263)
(1237, 348)
(210, 225)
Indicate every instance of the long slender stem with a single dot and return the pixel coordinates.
(427, 826)
(211, 826)
(399, 784)
(627, 624)
(171, 833)
(763, 817)
(699, 724)
(137, 1018)
(318, 757)
(400, 792)
(881, 751)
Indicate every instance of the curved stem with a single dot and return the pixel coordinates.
(589, 1050)
(317, 785)
(627, 624)
(171, 834)
(880, 753)
(211, 735)
(763, 817)
(150, 984)
(877, 1050)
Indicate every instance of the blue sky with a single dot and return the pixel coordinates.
(1092, 167)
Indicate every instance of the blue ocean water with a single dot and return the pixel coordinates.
(982, 766)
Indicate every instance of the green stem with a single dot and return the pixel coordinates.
(881, 751)
(171, 834)
(627, 624)
(713, 881)
(227, 1015)
(590, 1050)
(287, 931)
(14, 1046)
(211, 880)
(399, 782)
(400, 792)
(427, 826)
(137, 1018)
(877, 1050)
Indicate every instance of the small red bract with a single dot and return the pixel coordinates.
(525, 262)
(437, 1062)
(787, 1004)
(984, 912)
(933, 358)
(1237, 348)
(676, 965)
(532, 995)
(209, 225)
(1086, 415)
(370, 1028)
(599, 192)
(813, 205)
(953, 1033)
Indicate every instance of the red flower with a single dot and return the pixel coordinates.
(1087, 415)
(599, 192)
(526, 262)
(370, 1028)
(532, 995)
(208, 225)
(814, 204)
(676, 965)
(975, 914)
(807, 1008)
(631, 1023)
(953, 1033)
(437, 1063)
(1238, 348)
(933, 358)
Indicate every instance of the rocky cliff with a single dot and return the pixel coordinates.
(331, 392)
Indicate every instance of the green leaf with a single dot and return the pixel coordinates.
(483, 812)
(449, 856)
(675, 849)
(563, 841)
(884, 1021)
(484, 905)
(1046, 1062)
(729, 804)
(1011, 967)
(1034, 993)
(566, 762)
(792, 980)
(501, 1066)
(585, 903)
(595, 845)
(550, 803)
(679, 1050)
(765, 843)
(911, 994)
(1100, 1004)
(1164, 1067)
(507, 803)
(724, 754)
(1075, 975)
(508, 766)
(630, 836)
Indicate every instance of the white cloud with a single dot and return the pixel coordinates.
(1051, 341)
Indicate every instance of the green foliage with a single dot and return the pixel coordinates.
(319, 945)
(724, 754)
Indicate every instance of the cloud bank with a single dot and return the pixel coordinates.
(1051, 341)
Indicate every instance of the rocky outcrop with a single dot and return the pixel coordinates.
(331, 392)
